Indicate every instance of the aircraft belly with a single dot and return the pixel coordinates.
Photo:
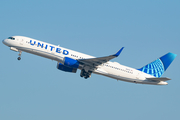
(41, 53)
(117, 76)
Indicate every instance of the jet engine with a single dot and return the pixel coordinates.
(69, 62)
(65, 68)
(69, 65)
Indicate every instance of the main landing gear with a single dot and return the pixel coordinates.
(19, 58)
(85, 74)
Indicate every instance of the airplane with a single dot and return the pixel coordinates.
(69, 61)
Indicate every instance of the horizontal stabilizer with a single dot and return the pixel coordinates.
(159, 79)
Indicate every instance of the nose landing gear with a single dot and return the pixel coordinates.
(19, 58)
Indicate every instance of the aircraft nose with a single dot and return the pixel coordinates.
(4, 41)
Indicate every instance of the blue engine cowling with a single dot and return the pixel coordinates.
(69, 65)
(72, 63)
(65, 68)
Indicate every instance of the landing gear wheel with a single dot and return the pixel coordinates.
(85, 74)
(19, 58)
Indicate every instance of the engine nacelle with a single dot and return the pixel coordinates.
(65, 68)
(72, 63)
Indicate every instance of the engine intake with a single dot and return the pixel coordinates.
(69, 62)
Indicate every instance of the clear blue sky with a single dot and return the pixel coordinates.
(33, 89)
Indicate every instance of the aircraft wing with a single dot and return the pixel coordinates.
(93, 62)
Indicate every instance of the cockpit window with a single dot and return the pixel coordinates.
(11, 38)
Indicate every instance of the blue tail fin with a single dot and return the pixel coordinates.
(159, 66)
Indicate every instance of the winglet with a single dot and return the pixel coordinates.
(117, 54)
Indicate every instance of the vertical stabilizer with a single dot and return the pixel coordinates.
(159, 66)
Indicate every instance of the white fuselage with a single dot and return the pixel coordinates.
(57, 53)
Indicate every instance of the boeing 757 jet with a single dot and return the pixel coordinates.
(69, 61)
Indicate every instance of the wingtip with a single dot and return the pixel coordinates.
(118, 53)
